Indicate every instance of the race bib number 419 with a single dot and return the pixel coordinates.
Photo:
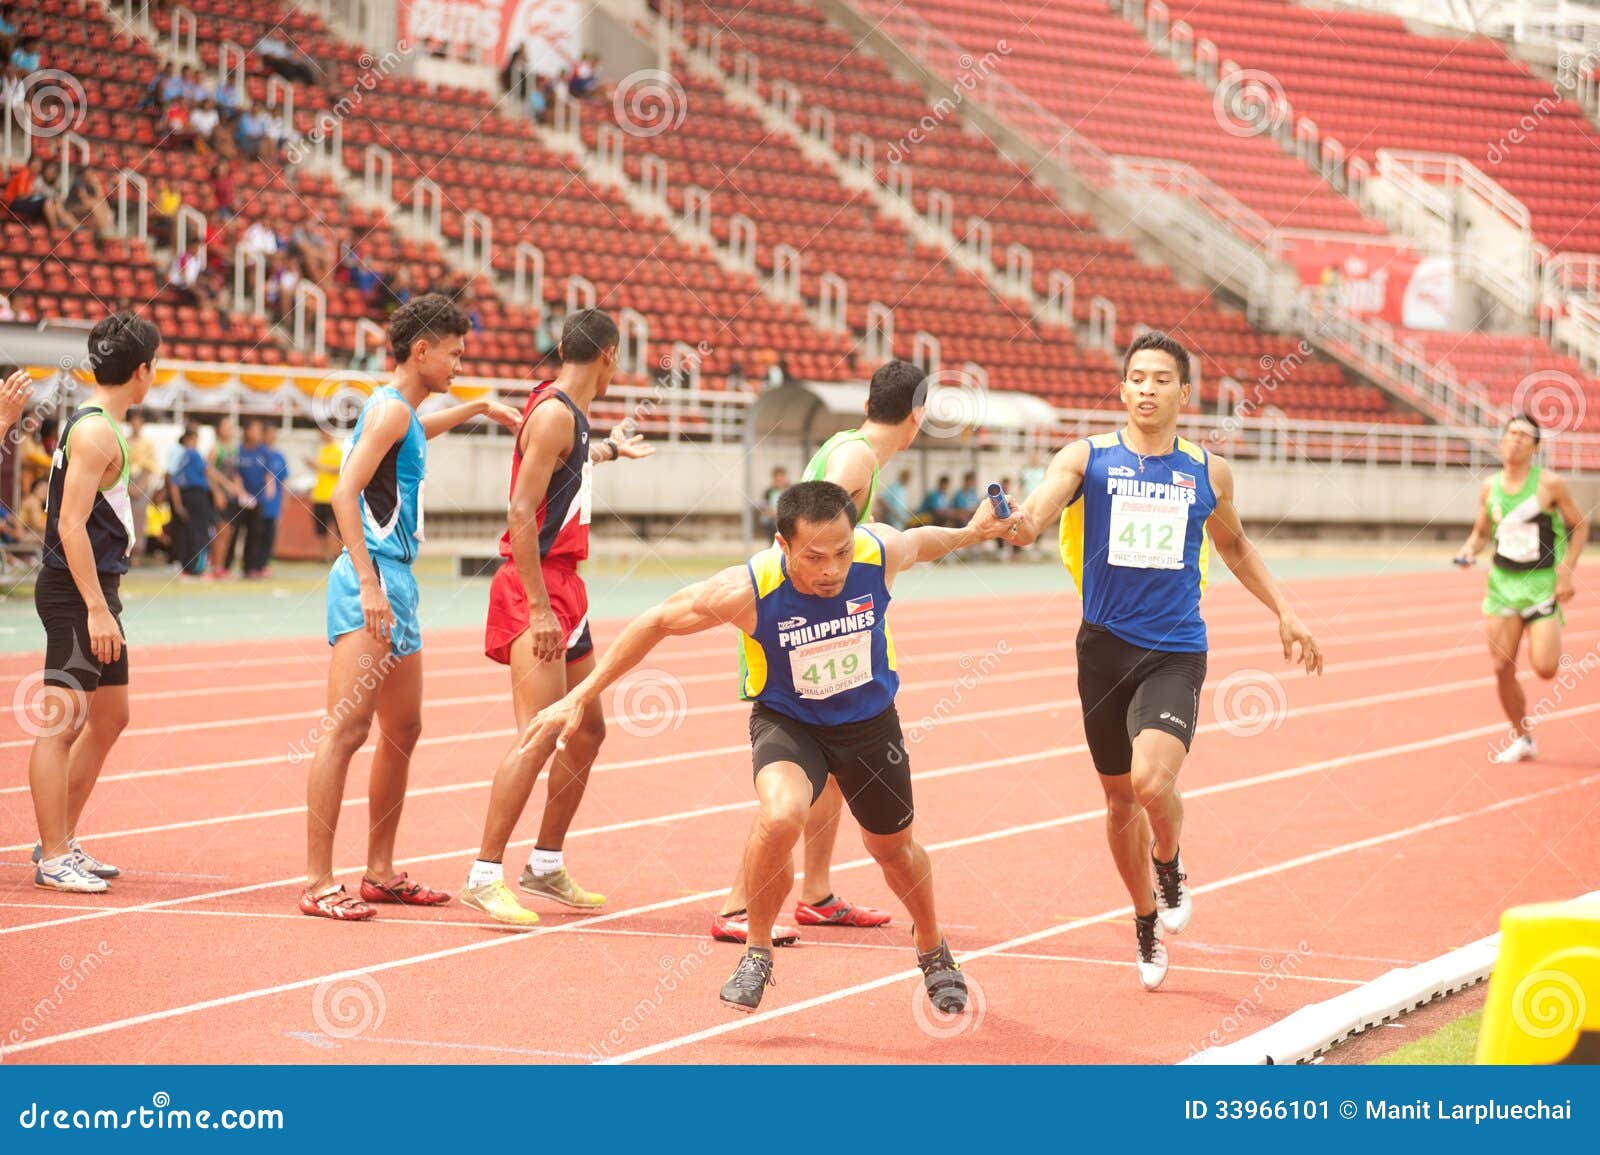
(1147, 532)
(823, 669)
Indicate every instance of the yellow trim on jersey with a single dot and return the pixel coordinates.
(754, 664)
(1205, 556)
(767, 566)
(888, 641)
(867, 549)
(1193, 450)
(1106, 440)
(1072, 541)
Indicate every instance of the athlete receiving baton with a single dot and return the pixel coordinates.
(820, 667)
(1142, 508)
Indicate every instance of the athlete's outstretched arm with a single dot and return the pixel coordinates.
(1482, 531)
(727, 598)
(1057, 491)
(387, 423)
(445, 420)
(1242, 557)
(622, 441)
(907, 547)
(1577, 536)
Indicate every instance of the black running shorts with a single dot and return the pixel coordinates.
(1126, 689)
(868, 759)
(68, 658)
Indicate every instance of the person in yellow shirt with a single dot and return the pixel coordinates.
(327, 463)
(153, 528)
(144, 476)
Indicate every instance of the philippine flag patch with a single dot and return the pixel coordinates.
(1182, 480)
(858, 605)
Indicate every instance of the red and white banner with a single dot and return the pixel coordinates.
(1377, 280)
(547, 28)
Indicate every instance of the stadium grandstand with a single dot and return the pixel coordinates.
(1376, 249)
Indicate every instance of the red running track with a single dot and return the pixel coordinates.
(1335, 827)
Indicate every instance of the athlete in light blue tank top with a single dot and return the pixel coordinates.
(1141, 510)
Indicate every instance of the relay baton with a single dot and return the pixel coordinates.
(997, 498)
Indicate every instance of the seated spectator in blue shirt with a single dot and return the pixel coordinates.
(26, 54)
(155, 92)
(894, 501)
(7, 28)
(227, 97)
(192, 86)
(935, 508)
(250, 131)
(967, 496)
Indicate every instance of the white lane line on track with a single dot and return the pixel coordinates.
(683, 900)
(1012, 944)
(966, 718)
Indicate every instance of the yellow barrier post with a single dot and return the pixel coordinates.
(1544, 995)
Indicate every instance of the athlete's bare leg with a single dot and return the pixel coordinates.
(822, 832)
(1505, 635)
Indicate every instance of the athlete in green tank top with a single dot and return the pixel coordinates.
(817, 468)
(1538, 533)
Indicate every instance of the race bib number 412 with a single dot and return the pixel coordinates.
(1147, 532)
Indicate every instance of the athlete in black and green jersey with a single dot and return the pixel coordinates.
(852, 459)
(1538, 532)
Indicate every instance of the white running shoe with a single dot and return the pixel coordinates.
(1174, 903)
(67, 876)
(1151, 956)
(1520, 750)
(87, 862)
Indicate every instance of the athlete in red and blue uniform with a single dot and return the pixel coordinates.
(376, 668)
(820, 668)
(538, 622)
(1143, 507)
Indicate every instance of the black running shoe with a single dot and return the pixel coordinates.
(1173, 901)
(941, 975)
(743, 991)
(1152, 959)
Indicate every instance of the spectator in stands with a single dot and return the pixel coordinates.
(316, 249)
(31, 512)
(769, 501)
(86, 198)
(281, 57)
(391, 292)
(191, 86)
(967, 497)
(174, 130)
(155, 93)
(26, 54)
(282, 280)
(538, 99)
(281, 138)
(894, 501)
(164, 217)
(144, 476)
(260, 238)
(327, 463)
(205, 131)
(184, 275)
(189, 485)
(30, 199)
(514, 76)
(549, 93)
(224, 189)
(548, 335)
(8, 26)
(250, 132)
(585, 75)
(935, 508)
(7, 313)
(12, 531)
(226, 96)
(158, 533)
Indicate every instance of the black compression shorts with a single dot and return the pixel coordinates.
(68, 658)
(1126, 689)
(868, 759)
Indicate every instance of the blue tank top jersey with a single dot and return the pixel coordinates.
(823, 661)
(1134, 541)
(391, 504)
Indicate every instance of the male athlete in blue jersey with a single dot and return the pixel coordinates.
(1140, 505)
(820, 667)
(372, 607)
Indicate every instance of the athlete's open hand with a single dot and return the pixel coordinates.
(376, 611)
(989, 526)
(503, 414)
(1293, 633)
(544, 631)
(14, 395)
(560, 719)
(105, 640)
(630, 445)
